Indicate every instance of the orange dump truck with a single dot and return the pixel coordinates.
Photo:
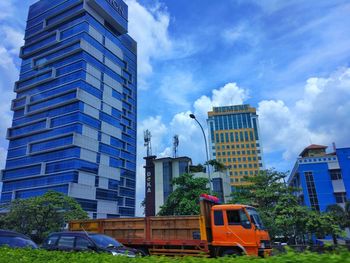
(218, 231)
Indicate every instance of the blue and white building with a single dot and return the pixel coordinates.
(324, 178)
(74, 121)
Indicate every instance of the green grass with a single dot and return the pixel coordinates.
(41, 256)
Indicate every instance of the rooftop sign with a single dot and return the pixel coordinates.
(117, 5)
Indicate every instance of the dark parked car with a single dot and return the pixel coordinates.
(15, 240)
(83, 241)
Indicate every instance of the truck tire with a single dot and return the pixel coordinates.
(231, 252)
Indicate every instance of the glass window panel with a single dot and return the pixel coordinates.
(41, 146)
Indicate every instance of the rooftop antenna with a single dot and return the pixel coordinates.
(147, 142)
(175, 145)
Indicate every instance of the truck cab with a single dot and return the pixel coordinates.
(234, 229)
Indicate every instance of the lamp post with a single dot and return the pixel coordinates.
(192, 116)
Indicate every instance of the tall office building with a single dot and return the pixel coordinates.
(234, 140)
(74, 122)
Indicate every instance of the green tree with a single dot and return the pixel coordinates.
(199, 168)
(262, 190)
(218, 166)
(340, 216)
(280, 209)
(322, 224)
(289, 219)
(38, 216)
(185, 197)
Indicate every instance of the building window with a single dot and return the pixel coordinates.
(226, 137)
(312, 191)
(222, 138)
(183, 167)
(335, 174)
(167, 179)
(218, 188)
(340, 198)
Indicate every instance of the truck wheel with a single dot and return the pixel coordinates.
(231, 252)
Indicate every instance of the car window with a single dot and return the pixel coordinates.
(105, 241)
(14, 242)
(52, 240)
(233, 217)
(66, 241)
(82, 243)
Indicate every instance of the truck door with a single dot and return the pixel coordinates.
(239, 228)
(218, 228)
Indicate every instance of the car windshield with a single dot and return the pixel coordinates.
(15, 242)
(255, 217)
(105, 241)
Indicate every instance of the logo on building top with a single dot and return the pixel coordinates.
(148, 182)
(118, 7)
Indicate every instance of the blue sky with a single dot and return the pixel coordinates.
(289, 59)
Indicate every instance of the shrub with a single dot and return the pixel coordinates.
(42, 256)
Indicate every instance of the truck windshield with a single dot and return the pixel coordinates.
(255, 218)
(104, 241)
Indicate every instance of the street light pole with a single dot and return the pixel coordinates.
(192, 116)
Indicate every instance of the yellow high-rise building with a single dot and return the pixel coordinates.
(234, 140)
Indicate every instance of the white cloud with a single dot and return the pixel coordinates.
(230, 94)
(12, 38)
(8, 75)
(320, 116)
(243, 33)
(176, 88)
(6, 9)
(149, 27)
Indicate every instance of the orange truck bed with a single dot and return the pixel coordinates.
(167, 235)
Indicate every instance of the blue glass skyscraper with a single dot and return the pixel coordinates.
(74, 122)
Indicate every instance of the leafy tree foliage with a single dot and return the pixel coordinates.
(280, 209)
(197, 168)
(218, 166)
(39, 216)
(340, 215)
(185, 197)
